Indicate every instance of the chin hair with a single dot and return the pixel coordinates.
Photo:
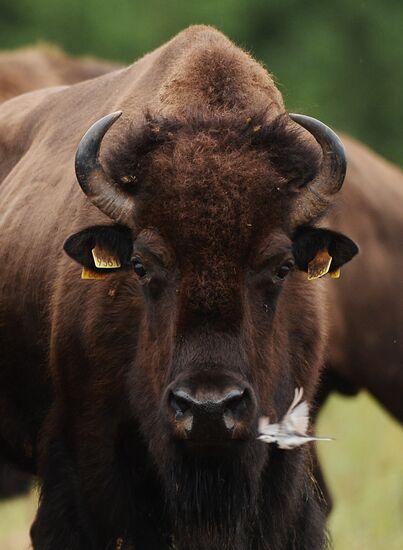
(212, 500)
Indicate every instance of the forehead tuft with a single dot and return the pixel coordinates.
(209, 183)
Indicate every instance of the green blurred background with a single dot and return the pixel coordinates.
(340, 61)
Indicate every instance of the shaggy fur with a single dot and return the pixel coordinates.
(286, 150)
(213, 175)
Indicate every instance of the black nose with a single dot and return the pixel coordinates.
(210, 415)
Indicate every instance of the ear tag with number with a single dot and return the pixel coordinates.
(103, 259)
(89, 274)
(320, 265)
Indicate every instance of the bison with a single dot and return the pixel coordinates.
(365, 344)
(365, 348)
(135, 396)
(42, 66)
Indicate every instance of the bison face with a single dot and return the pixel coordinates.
(209, 363)
(215, 250)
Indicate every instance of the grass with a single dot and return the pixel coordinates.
(364, 468)
(15, 518)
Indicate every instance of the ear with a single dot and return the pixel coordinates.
(111, 242)
(319, 251)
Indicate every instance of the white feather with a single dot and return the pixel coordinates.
(291, 431)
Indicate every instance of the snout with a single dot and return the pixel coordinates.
(213, 416)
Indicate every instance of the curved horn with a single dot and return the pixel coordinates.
(95, 183)
(332, 171)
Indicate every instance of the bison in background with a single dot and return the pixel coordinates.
(366, 304)
(43, 66)
(13, 482)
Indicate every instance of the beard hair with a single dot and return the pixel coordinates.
(213, 502)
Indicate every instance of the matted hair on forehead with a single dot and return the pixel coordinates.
(291, 155)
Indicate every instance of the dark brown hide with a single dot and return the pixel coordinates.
(89, 368)
(366, 303)
(22, 71)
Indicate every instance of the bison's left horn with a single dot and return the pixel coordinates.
(95, 183)
(332, 171)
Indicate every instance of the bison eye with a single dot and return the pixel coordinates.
(283, 271)
(139, 268)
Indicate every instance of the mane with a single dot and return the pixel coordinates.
(289, 153)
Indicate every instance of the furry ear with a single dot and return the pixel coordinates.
(116, 240)
(309, 241)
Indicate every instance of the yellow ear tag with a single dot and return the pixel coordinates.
(88, 274)
(335, 274)
(320, 265)
(103, 259)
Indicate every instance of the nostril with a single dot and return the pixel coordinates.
(235, 402)
(235, 406)
(180, 402)
(210, 414)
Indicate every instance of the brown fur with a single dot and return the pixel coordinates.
(22, 71)
(236, 178)
(365, 305)
(366, 347)
(210, 174)
(40, 67)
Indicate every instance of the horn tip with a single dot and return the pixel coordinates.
(110, 119)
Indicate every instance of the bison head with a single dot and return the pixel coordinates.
(214, 234)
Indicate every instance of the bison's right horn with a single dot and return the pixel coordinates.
(95, 183)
